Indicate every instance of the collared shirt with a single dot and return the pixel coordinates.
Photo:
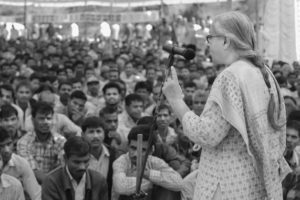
(79, 188)
(10, 188)
(100, 165)
(19, 168)
(43, 156)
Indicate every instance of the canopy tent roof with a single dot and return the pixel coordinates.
(115, 3)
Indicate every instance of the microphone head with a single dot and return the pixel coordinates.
(189, 54)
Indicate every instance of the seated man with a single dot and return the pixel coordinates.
(10, 187)
(112, 138)
(7, 98)
(291, 185)
(112, 96)
(9, 121)
(16, 166)
(76, 109)
(74, 180)
(134, 106)
(42, 148)
(101, 156)
(61, 123)
(157, 172)
(166, 134)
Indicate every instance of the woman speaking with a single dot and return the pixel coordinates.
(242, 127)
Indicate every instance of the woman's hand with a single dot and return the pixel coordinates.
(172, 89)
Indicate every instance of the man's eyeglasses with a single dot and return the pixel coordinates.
(209, 37)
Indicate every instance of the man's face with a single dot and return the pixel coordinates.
(65, 89)
(76, 104)
(35, 84)
(189, 91)
(113, 76)
(77, 86)
(143, 93)
(150, 76)
(77, 165)
(198, 104)
(135, 109)
(6, 96)
(292, 138)
(89, 73)
(42, 123)
(6, 149)
(111, 121)
(163, 118)
(93, 88)
(155, 94)
(112, 96)
(94, 136)
(23, 94)
(133, 151)
(10, 124)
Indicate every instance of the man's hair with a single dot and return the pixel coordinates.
(34, 76)
(76, 80)
(133, 97)
(7, 111)
(293, 124)
(76, 145)
(67, 82)
(4, 135)
(24, 84)
(107, 110)
(78, 95)
(164, 106)
(42, 108)
(7, 88)
(45, 87)
(143, 85)
(139, 129)
(190, 84)
(146, 120)
(92, 122)
(111, 85)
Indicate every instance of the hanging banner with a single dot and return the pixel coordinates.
(131, 17)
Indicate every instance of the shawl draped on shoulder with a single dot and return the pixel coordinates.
(242, 95)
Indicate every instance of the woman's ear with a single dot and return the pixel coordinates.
(152, 149)
(226, 43)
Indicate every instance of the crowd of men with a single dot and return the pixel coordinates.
(71, 112)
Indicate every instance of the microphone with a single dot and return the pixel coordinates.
(187, 53)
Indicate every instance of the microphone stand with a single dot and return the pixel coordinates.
(140, 195)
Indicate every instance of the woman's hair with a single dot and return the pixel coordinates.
(239, 29)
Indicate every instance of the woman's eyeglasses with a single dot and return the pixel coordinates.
(209, 37)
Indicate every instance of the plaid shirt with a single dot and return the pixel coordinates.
(43, 156)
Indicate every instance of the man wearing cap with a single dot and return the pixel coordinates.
(93, 91)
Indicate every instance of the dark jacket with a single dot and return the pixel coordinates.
(57, 186)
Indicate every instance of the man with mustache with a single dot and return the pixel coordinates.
(16, 166)
(166, 134)
(101, 156)
(42, 148)
(10, 122)
(75, 181)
